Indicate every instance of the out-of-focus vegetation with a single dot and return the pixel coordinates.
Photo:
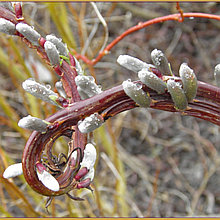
(150, 163)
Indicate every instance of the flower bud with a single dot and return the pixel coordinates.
(90, 123)
(52, 53)
(152, 81)
(177, 94)
(33, 124)
(189, 81)
(160, 61)
(90, 175)
(40, 91)
(29, 33)
(132, 63)
(136, 93)
(61, 47)
(83, 184)
(13, 171)
(86, 86)
(46, 178)
(89, 157)
(217, 75)
(81, 173)
(7, 27)
(18, 10)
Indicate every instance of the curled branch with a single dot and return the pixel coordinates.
(68, 174)
(109, 103)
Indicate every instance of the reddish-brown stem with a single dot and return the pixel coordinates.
(4, 13)
(140, 25)
(180, 11)
(68, 74)
(206, 105)
(109, 103)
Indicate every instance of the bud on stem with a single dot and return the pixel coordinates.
(177, 94)
(86, 86)
(160, 61)
(7, 27)
(13, 171)
(90, 175)
(151, 80)
(132, 63)
(40, 91)
(89, 156)
(61, 47)
(136, 93)
(189, 81)
(33, 124)
(46, 178)
(52, 53)
(90, 123)
(29, 33)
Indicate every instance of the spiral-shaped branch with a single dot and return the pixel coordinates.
(109, 103)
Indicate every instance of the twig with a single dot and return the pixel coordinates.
(141, 25)
(102, 20)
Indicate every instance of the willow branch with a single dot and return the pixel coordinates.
(109, 103)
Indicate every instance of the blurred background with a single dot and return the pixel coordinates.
(150, 163)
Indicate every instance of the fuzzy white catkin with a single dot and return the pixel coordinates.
(40, 91)
(33, 124)
(136, 93)
(13, 171)
(177, 94)
(160, 61)
(189, 81)
(152, 81)
(89, 156)
(86, 86)
(132, 63)
(48, 180)
(90, 123)
(52, 53)
(29, 33)
(7, 27)
(61, 47)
